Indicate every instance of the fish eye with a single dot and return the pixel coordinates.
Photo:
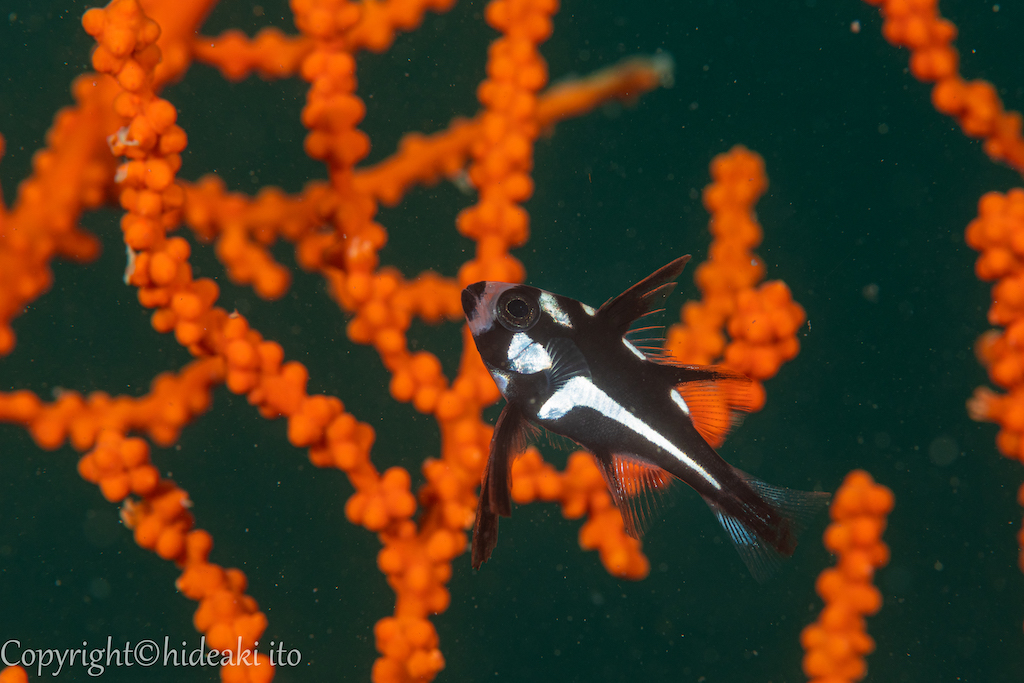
(516, 312)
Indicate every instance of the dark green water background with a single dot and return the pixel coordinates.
(869, 186)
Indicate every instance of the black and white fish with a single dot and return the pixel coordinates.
(571, 369)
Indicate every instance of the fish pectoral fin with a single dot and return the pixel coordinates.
(641, 298)
(715, 398)
(764, 521)
(635, 486)
(567, 361)
(508, 441)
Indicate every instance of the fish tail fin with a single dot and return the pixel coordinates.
(764, 521)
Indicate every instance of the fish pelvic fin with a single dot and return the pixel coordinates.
(638, 300)
(509, 440)
(764, 521)
(485, 534)
(635, 486)
(716, 398)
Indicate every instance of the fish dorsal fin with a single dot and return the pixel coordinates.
(634, 485)
(715, 398)
(649, 340)
(652, 334)
(567, 361)
(639, 299)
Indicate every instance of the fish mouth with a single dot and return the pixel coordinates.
(470, 297)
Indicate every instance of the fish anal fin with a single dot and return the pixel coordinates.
(638, 477)
(761, 558)
(716, 401)
(635, 486)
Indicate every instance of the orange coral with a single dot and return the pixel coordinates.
(581, 491)
(13, 674)
(998, 231)
(998, 234)
(837, 643)
(762, 321)
(140, 47)
(917, 25)
(74, 173)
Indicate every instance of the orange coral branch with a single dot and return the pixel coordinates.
(624, 81)
(270, 53)
(998, 231)
(416, 559)
(173, 401)
(333, 227)
(13, 674)
(837, 643)
(424, 159)
(917, 25)
(762, 322)
(581, 490)
(503, 156)
(995, 233)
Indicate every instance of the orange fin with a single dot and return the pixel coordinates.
(715, 403)
(634, 484)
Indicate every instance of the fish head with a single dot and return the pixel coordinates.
(513, 326)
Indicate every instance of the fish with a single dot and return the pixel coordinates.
(573, 370)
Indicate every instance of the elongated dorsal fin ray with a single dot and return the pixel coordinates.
(655, 334)
(766, 523)
(641, 333)
(511, 434)
(634, 485)
(621, 311)
(653, 352)
(652, 328)
(715, 398)
(652, 336)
